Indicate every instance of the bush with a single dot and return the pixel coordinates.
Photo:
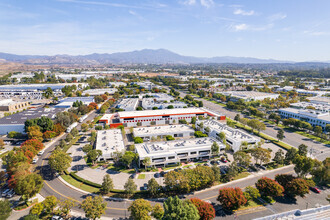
(99, 127)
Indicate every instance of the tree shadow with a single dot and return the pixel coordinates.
(286, 199)
(79, 167)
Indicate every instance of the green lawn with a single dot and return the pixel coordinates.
(142, 176)
(120, 169)
(187, 166)
(241, 175)
(79, 185)
(171, 167)
(251, 204)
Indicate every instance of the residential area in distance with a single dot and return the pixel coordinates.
(242, 145)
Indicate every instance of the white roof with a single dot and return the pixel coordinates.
(162, 130)
(109, 141)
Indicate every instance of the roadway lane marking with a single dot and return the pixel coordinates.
(70, 197)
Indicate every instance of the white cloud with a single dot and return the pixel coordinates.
(240, 27)
(189, 2)
(207, 3)
(242, 12)
(317, 33)
(246, 27)
(276, 17)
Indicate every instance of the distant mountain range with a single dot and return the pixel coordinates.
(146, 56)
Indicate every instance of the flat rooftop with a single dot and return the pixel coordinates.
(308, 113)
(73, 99)
(109, 141)
(156, 149)
(323, 99)
(21, 117)
(249, 94)
(162, 130)
(230, 132)
(100, 91)
(160, 112)
(317, 106)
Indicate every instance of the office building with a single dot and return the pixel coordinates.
(109, 141)
(249, 95)
(129, 104)
(10, 105)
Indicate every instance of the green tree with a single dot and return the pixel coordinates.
(107, 185)
(87, 148)
(321, 171)
(290, 155)
(48, 93)
(237, 117)
(302, 150)
(260, 154)
(84, 127)
(45, 124)
(174, 208)
(193, 120)
(251, 193)
(303, 165)
(37, 209)
(5, 209)
(59, 161)
(69, 138)
(35, 133)
(65, 206)
(74, 132)
(279, 157)
(318, 130)
(130, 187)
(140, 209)
(29, 185)
(280, 134)
(242, 158)
(31, 217)
(49, 204)
(93, 207)
(222, 137)
(153, 187)
(146, 162)
(93, 155)
(128, 158)
(157, 211)
(138, 140)
(215, 148)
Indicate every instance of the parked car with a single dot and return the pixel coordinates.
(41, 152)
(10, 194)
(224, 160)
(4, 193)
(157, 175)
(315, 189)
(263, 167)
(56, 217)
(145, 186)
(34, 161)
(133, 175)
(218, 162)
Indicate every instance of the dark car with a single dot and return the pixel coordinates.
(315, 189)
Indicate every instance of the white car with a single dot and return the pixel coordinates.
(34, 161)
(41, 152)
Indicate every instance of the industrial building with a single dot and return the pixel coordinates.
(10, 105)
(314, 117)
(171, 152)
(310, 105)
(94, 92)
(147, 133)
(150, 103)
(68, 102)
(16, 121)
(109, 141)
(117, 84)
(249, 95)
(77, 77)
(128, 104)
(158, 117)
(234, 137)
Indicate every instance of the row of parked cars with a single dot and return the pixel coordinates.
(8, 193)
(35, 160)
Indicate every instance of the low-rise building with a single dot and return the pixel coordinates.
(314, 117)
(77, 77)
(68, 102)
(16, 121)
(150, 103)
(249, 95)
(234, 137)
(94, 92)
(129, 104)
(311, 105)
(147, 133)
(158, 117)
(117, 84)
(109, 141)
(171, 152)
(10, 105)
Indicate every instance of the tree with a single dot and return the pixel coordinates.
(140, 209)
(146, 162)
(280, 134)
(93, 155)
(216, 172)
(269, 187)
(48, 93)
(237, 117)
(5, 209)
(31, 217)
(279, 157)
(138, 140)
(74, 132)
(130, 187)
(303, 165)
(128, 158)
(260, 154)
(222, 137)
(62, 143)
(251, 193)
(290, 155)
(84, 127)
(157, 211)
(45, 124)
(49, 204)
(35, 133)
(3, 178)
(49, 135)
(69, 138)
(37, 209)
(87, 148)
(321, 170)
(107, 185)
(318, 130)
(193, 120)
(302, 150)
(59, 161)
(65, 206)
(231, 198)
(215, 148)
(174, 208)
(29, 185)
(293, 186)
(205, 209)
(153, 187)
(93, 207)
(242, 158)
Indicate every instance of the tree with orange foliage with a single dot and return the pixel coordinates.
(58, 129)
(93, 105)
(205, 209)
(231, 198)
(104, 97)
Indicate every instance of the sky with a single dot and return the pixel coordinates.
(294, 30)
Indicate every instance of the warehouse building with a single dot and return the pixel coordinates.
(117, 84)
(68, 102)
(234, 137)
(314, 117)
(16, 121)
(10, 105)
(128, 104)
(158, 117)
(147, 133)
(94, 92)
(249, 95)
(109, 141)
(172, 152)
(150, 103)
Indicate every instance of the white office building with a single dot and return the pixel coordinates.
(171, 152)
(314, 117)
(150, 103)
(147, 133)
(129, 104)
(68, 102)
(234, 137)
(109, 141)
(117, 84)
(94, 92)
(249, 95)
